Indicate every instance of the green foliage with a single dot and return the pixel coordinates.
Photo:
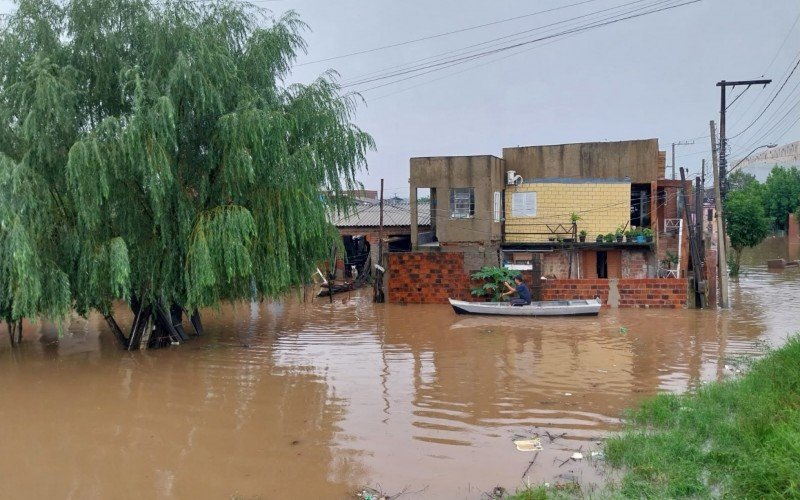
(739, 438)
(493, 279)
(609, 238)
(746, 223)
(150, 149)
(782, 194)
(743, 181)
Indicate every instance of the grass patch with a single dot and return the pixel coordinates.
(738, 438)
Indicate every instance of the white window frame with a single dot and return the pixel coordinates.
(524, 204)
(462, 203)
(498, 206)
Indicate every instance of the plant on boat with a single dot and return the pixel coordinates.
(491, 281)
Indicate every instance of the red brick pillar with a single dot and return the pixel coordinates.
(793, 228)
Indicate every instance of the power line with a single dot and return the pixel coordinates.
(461, 60)
(439, 35)
(466, 58)
(770, 102)
(786, 38)
(487, 43)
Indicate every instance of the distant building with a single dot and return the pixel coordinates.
(517, 210)
(364, 221)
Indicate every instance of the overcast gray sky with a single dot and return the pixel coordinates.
(652, 76)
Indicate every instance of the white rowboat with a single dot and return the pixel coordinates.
(544, 308)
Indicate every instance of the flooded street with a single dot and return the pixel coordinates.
(294, 400)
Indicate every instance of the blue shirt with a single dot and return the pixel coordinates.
(524, 293)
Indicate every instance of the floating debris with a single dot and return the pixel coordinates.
(568, 394)
(528, 444)
(577, 456)
(623, 330)
(368, 493)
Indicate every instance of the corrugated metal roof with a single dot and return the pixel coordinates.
(393, 215)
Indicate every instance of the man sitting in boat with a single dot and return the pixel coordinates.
(523, 297)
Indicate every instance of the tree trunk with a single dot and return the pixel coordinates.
(196, 323)
(139, 326)
(19, 331)
(116, 330)
(12, 333)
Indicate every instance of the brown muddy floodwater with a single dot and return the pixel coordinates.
(296, 400)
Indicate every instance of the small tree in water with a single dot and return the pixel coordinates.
(747, 224)
(150, 153)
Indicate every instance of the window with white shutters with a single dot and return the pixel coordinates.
(523, 204)
(497, 206)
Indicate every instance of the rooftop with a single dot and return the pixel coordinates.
(393, 215)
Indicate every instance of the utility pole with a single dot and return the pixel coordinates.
(722, 262)
(723, 141)
(679, 143)
(694, 249)
(378, 295)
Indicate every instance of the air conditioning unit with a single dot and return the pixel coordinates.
(512, 179)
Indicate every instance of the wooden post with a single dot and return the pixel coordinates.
(722, 262)
(694, 247)
(378, 292)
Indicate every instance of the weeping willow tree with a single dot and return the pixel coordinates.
(150, 152)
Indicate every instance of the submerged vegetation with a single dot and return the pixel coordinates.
(738, 438)
(150, 153)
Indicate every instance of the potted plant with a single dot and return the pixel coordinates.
(599, 238)
(639, 235)
(648, 234)
(574, 217)
(619, 233)
(582, 235)
(609, 238)
(630, 235)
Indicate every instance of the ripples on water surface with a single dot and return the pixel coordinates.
(299, 400)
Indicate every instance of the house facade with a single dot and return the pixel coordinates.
(554, 212)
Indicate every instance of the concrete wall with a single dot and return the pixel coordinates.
(485, 174)
(637, 159)
(602, 206)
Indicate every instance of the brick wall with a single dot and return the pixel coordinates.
(645, 293)
(427, 277)
(653, 292)
(575, 289)
(602, 206)
(635, 264)
(432, 277)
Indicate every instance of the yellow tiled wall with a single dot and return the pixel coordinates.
(602, 206)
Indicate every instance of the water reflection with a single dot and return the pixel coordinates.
(313, 400)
